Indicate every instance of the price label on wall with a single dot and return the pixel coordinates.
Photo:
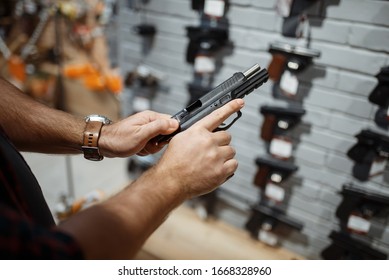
(281, 148)
(214, 8)
(275, 192)
(289, 83)
(204, 64)
(358, 224)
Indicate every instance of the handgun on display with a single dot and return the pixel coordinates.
(289, 57)
(270, 176)
(272, 170)
(372, 148)
(359, 207)
(278, 120)
(265, 224)
(237, 86)
(344, 247)
(380, 96)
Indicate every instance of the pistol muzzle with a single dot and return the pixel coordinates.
(250, 72)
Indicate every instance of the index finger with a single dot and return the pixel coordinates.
(217, 117)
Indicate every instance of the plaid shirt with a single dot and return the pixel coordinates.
(27, 228)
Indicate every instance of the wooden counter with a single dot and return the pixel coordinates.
(184, 236)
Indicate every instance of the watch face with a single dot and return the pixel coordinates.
(98, 118)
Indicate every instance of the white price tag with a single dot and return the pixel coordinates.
(267, 237)
(289, 83)
(204, 64)
(214, 8)
(141, 104)
(358, 224)
(283, 7)
(378, 167)
(275, 192)
(281, 148)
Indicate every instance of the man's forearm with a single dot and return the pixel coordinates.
(122, 224)
(35, 127)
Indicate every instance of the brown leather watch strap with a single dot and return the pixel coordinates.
(92, 133)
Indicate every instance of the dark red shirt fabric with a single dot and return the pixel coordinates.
(27, 228)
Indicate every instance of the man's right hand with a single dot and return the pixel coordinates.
(199, 160)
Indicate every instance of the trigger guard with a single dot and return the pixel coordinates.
(239, 114)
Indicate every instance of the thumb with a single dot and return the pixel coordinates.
(159, 126)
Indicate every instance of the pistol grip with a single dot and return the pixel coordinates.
(277, 66)
(268, 128)
(261, 177)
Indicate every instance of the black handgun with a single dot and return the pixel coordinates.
(371, 147)
(205, 40)
(269, 219)
(278, 120)
(358, 207)
(344, 247)
(196, 91)
(237, 86)
(272, 170)
(380, 96)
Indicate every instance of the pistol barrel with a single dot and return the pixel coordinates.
(250, 72)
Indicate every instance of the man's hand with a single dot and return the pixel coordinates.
(198, 160)
(133, 134)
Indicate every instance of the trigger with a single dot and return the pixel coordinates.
(225, 127)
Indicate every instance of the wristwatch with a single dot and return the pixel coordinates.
(90, 147)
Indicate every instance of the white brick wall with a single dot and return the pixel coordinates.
(353, 37)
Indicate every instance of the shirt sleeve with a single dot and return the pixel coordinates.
(22, 239)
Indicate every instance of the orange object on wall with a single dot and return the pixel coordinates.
(16, 68)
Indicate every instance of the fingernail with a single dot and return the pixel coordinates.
(173, 123)
(240, 102)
